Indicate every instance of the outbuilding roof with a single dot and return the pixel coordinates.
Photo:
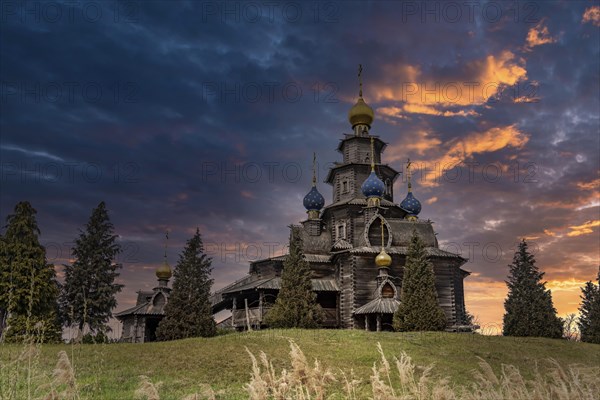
(274, 283)
(380, 305)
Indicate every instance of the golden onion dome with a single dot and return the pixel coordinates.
(164, 272)
(361, 113)
(383, 259)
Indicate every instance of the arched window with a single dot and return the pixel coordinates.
(387, 291)
(159, 300)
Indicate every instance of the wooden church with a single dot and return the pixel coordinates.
(140, 322)
(356, 245)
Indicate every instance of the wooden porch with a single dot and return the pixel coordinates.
(254, 316)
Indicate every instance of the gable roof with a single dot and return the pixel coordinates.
(145, 307)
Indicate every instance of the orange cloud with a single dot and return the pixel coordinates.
(583, 229)
(459, 151)
(592, 15)
(462, 150)
(593, 185)
(481, 80)
(565, 285)
(539, 35)
(412, 108)
(583, 200)
(526, 99)
(247, 194)
(493, 139)
(432, 200)
(420, 143)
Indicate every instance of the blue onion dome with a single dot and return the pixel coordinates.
(411, 205)
(373, 186)
(313, 200)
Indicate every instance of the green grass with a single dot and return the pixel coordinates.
(112, 371)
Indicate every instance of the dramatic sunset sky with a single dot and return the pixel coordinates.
(205, 114)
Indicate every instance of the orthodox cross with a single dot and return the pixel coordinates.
(314, 179)
(166, 242)
(408, 164)
(360, 80)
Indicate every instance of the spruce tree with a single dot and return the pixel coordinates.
(28, 286)
(529, 308)
(419, 309)
(88, 295)
(4, 295)
(589, 312)
(188, 311)
(296, 304)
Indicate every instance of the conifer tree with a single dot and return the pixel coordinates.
(88, 295)
(589, 312)
(28, 286)
(3, 290)
(529, 307)
(188, 311)
(419, 309)
(296, 305)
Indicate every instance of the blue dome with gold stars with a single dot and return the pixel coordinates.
(411, 205)
(313, 200)
(373, 186)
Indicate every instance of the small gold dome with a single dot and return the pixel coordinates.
(361, 113)
(164, 272)
(383, 259)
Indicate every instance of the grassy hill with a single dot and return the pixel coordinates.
(186, 366)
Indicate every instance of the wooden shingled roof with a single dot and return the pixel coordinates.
(380, 305)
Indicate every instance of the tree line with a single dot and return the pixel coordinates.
(529, 310)
(34, 305)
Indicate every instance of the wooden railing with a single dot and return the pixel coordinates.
(256, 315)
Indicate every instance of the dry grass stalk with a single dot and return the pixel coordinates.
(206, 393)
(417, 383)
(350, 385)
(63, 376)
(573, 383)
(22, 377)
(147, 390)
(412, 385)
(302, 382)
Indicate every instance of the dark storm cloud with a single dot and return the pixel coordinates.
(203, 114)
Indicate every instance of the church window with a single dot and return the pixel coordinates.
(341, 231)
(159, 300)
(344, 186)
(387, 291)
